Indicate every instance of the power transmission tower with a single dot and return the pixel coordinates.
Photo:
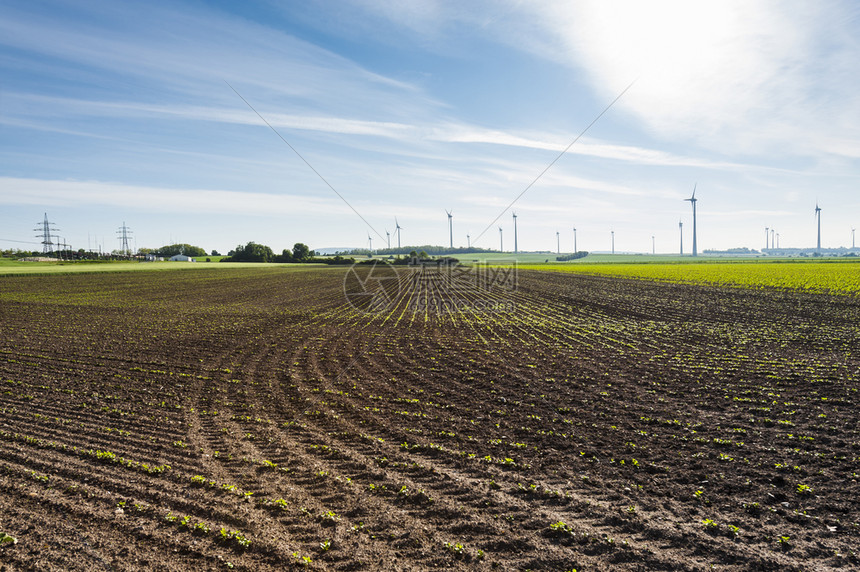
(123, 234)
(63, 248)
(45, 230)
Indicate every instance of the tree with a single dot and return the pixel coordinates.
(215, 253)
(252, 252)
(186, 249)
(301, 252)
(284, 256)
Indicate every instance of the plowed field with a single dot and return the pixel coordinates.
(255, 419)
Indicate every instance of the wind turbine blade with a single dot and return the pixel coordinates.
(694, 190)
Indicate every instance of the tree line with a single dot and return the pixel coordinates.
(253, 252)
(174, 249)
(299, 254)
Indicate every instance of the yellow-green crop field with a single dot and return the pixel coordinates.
(826, 276)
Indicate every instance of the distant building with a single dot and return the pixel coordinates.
(181, 258)
(153, 258)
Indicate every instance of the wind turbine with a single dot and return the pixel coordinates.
(451, 227)
(501, 242)
(612, 232)
(515, 231)
(387, 238)
(681, 231)
(693, 200)
(370, 243)
(852, 237)
(818, 216)
(766, 231)
(397, 229)
(557, 243)
(653, 245)
(574, 241)
(469, 240)
(773, 238)
(777, 240)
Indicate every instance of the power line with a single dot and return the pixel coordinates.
(300, 156)
(560, 155)
(20, 241)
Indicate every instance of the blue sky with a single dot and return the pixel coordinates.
(115, 112)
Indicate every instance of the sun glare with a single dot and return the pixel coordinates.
(687, 56)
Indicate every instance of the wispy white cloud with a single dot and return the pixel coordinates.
(761, 78)
(62, 193)
(751, 77)
(75, 193)
(445, 132)
(589, 147)
(187, 54)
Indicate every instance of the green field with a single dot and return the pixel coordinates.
(817, 275)
(814, 275)
(549, 258)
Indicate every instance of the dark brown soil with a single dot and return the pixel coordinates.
(253, 419)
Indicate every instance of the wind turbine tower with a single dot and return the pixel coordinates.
(469, 240)
(681, 232)
(693, 200)
(397, 229)
(612, 232)
(852, 237)
(370, 243)
(451, 228)
(653, 245)
(515, 232)
(501, 241)
(818, 216)
(387, 238)
(574, 241)
(557, 242)
(766, 243)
